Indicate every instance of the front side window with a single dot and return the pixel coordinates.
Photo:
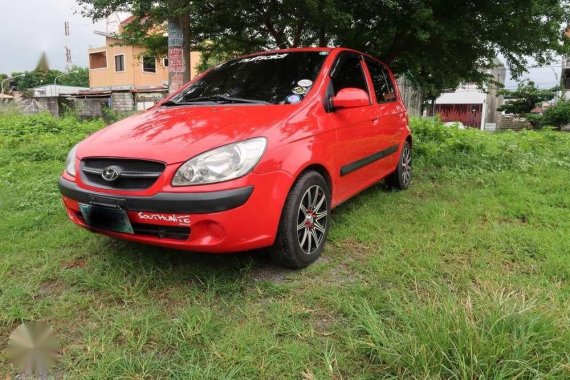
(348, 73)
(120, 63)
(383, 86)
(277, 78)
(149, 64)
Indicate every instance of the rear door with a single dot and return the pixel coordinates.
(392, 118)
(356, 128)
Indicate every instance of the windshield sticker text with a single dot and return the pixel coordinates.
(264, 58)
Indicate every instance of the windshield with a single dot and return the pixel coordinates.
(277, 78)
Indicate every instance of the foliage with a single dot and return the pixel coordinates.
(77, 76)
(467, 152)
(213, 57)
(522, 100)
(111, 116)
(557, 115)
(535, 120)
(437, 43)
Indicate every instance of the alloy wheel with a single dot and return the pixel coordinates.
(407, 165)
(312, 219)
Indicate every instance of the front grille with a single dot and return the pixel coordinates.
(134, 174)
(161, 232)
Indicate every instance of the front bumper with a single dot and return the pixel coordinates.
(221, 221)
(183, 203)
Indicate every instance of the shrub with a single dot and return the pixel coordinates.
(558, 115)
(470, 151)
(41, 137)
(111, 116)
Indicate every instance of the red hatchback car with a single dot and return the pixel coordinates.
(253, 153)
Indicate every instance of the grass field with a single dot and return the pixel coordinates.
(466, 275)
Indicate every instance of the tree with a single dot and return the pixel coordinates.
(43, 64)
(438, 43)
(77, 76)
(33, 78)
(522, 100)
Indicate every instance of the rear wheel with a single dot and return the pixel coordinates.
(304, 224)
(402, 176)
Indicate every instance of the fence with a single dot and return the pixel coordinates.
(411, 95)
(511, 122)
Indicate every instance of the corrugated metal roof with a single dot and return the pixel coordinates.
(463, 96)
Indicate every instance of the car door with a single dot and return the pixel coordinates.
(391, 114)
(356, 128)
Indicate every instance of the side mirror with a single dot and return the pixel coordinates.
(350, 98)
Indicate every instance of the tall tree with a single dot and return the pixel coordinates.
(438, 43)
(43, 64)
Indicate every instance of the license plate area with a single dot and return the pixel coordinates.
(106, 218)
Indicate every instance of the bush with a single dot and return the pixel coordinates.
(470, 151)
(111, 116)
(558, 115)
(41, 137)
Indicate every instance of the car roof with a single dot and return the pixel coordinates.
(312, 49)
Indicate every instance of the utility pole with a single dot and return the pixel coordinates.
(68, 59)
(178, 48)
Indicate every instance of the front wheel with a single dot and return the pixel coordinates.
(402, 176)
(304, 224)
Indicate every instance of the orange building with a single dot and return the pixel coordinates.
(116, 67)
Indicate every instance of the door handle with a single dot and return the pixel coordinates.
(376, 121)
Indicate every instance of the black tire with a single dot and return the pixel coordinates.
(400, 179)
(305, 216)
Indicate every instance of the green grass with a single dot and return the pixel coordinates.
(465, 275)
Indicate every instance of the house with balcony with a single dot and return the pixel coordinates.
(130, 79)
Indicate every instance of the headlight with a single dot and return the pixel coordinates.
(70, 161)
(221, 164)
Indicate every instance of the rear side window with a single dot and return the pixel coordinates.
(383, 86)
(348, 73)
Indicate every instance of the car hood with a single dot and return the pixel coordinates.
(175, 134)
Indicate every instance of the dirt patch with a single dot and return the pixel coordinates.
(49, 288)
(75, 264)
(353, 248)
(270, 272)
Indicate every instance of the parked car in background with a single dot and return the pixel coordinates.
(253, 153)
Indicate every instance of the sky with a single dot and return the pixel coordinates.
(32, 26)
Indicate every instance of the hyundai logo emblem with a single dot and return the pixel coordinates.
(111, 173)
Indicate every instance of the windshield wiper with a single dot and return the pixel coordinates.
(223, 98)
(170, 103)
